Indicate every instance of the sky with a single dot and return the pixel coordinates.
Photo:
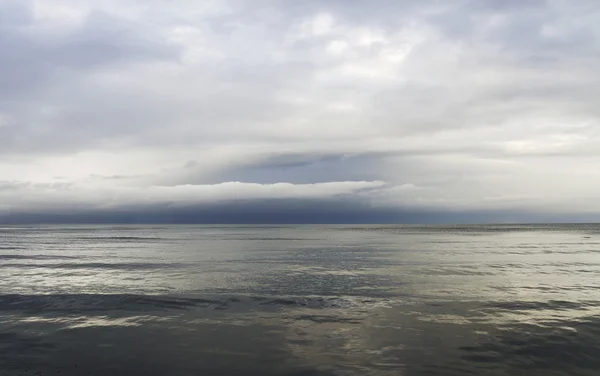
(299, 111)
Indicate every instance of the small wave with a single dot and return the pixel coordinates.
(119, 238)
(271, 239)
(318, 302)
(101, 303)
(134, 228)
(321, 319)
(36, 257)
(569, 348)
(455, 272)
(570, 252)
(93, 265)
(557, 305)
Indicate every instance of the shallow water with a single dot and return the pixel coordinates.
(300, 300)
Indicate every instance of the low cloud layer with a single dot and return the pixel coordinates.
(383, 111)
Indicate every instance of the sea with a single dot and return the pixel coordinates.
(137, 300)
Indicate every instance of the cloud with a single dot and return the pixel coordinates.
(463, 106)
(98, 193)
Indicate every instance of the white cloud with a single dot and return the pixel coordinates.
(103, 194)
(461, 105)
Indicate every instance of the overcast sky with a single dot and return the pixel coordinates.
(338, 110)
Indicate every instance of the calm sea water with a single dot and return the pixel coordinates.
(300, 300)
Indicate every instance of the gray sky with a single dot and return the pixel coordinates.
(414, 106)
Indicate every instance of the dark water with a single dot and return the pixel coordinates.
(300, 300)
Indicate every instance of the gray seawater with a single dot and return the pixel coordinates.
(300, 300)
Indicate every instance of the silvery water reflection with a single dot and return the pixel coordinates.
(320, 300)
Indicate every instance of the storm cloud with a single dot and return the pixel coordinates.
(308, 111)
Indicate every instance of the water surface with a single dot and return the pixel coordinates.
(300, 300)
